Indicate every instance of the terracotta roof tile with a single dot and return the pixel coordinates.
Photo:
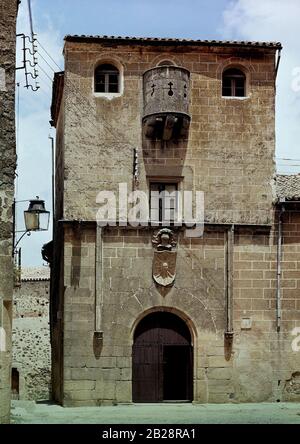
(167, 40)
(35, 274)
(288, 186)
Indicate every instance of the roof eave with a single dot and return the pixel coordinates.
(170, 42)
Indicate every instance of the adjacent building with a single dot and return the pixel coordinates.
(31, 360)
(8, 15)
(150, 313)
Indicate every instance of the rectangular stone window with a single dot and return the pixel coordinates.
(163, 202)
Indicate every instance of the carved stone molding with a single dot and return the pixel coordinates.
(164, 240)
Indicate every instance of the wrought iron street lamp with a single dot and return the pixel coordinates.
(36, 219)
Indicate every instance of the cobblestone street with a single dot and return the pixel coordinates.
(26, 412)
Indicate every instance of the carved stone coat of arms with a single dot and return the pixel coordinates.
(164, 260)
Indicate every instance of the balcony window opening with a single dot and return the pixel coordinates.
(234, 83)
(107, 79)
(164, 202)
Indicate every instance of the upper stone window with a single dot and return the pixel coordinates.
(233, 83)
(107, 79)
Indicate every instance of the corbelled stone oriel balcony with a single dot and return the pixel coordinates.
(166, 103)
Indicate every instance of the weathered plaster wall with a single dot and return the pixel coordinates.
(8, 14)
(31, 339)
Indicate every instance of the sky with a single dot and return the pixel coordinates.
(267, 20)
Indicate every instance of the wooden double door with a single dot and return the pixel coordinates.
(162, 359)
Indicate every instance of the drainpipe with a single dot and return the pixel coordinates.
(279, 258)
(229, 283)
(52, 184)
(98, 333)
(277, 63)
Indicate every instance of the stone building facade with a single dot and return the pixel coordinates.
(147, 313)
(31, 360)
(8, 15)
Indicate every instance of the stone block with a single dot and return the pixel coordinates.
(82, 385)
(123, 391)
(105, 390)
(126, 374)
(200, 391)
(218, 361)
(223, 373)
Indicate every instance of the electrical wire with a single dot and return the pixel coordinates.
(45, 81)
(18, 117)
(42, 69)
(30, 18)
(17, 143)
(33, 46)
(289, 160)
(47, 93)
(47, 63)
(49, 55)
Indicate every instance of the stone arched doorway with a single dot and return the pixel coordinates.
(162, 359)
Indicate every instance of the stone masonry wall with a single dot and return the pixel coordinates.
(128, 292)
(31, 340)
(261, 364)
(8, 14)
(56, 275)
(230, 149)
(230, 156)
(267, 367)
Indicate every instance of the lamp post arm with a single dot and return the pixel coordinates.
(25, 232)
(23, 200)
